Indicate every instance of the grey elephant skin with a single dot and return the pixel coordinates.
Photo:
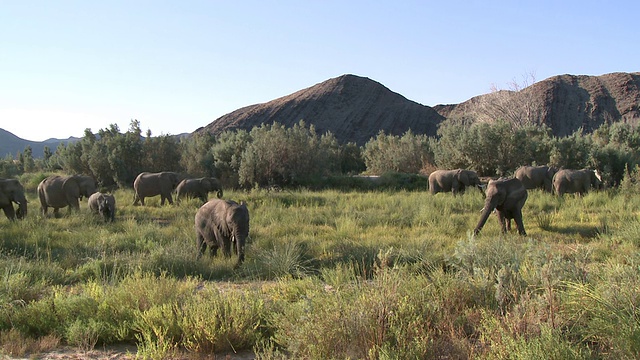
(576, 181)
(149, 184)
(507, 197)
(536, 177)
(103, 205)
(12, 191)
(198, 188)
(220, 223)
(61, 191)
(455, 181)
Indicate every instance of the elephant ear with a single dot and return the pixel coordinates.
(206, 183)
(463, 177)
(4, 199)
(71, 187)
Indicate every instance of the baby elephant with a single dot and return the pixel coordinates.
(103, 204)
(219, 223)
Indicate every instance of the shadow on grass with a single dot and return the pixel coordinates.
(584, 231)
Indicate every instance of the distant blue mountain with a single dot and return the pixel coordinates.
(10, 144)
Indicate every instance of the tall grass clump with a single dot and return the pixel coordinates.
(605, 310)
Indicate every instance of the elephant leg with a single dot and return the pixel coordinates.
(234, 245)
(201, 245)
(227, 248)
(502, 220)
(170, 199)
(519, 223)
(10, 212)
(56, 212)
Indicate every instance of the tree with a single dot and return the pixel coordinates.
(161, 153)
(571, 152)
(490, 148)
(516, 105)
(408, 153)
(196, 156)
(280, 156)
(227, 153)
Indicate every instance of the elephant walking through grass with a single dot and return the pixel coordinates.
(11, 191)
(455, 181)
(534, 177)
(149, 184)
(221, 224)
(198, 188)
(60, 191)
(576, 181)
(103, 204)
(507, 197)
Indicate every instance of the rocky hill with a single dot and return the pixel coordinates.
(356, 108)
(353, 108)
(565, 103)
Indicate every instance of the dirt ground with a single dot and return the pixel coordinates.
(123, 352)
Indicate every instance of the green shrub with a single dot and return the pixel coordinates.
(218, 320)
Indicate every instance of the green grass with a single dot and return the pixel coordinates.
(330, 274)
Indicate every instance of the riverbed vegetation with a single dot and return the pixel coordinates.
(382, 274)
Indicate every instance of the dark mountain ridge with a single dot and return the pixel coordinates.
(11, 144)
(353, 108)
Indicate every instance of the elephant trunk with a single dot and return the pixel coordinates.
(22, 208)
(239, 239)
(486, 211)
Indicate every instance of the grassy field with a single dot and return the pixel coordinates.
(377, 275)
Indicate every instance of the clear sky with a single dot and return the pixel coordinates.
(178, 65)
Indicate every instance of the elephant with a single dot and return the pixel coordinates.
(452, 180)
(59, 191)
(11, 191)
(103, 204)
(152, 184)
(507, 197)
(199, 188)
(220, 222)
(576, 181)
(534, 177)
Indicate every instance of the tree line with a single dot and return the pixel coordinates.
(273, 155)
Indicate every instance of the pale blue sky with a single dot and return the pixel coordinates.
(179, 65)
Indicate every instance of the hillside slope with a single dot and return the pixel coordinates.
(353, 108)
(567, 103)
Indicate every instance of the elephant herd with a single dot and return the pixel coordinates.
(218, 223)
(507, 195)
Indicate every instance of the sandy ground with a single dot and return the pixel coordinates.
(123, 352)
